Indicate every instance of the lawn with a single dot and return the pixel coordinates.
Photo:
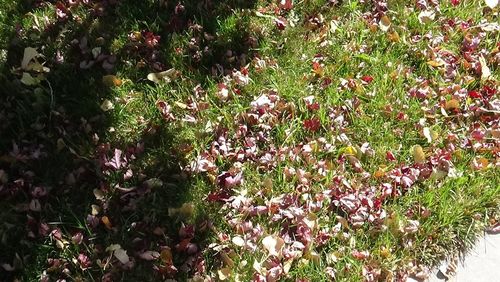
(239, 140)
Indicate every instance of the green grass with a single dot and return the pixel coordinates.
(62, 118)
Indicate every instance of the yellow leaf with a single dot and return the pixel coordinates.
(351, 151)
(166, 255)
(224, 273)
(95, 209)
(385, 252)
(418, 154)
(313, 256)
(379, 173)
(226, 259)
(181, 105)
(186, 210)
(393, 36)
(435, 64)
(111, 80)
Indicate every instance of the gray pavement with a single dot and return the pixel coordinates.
(481, 264)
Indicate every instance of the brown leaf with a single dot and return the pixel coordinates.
(452, 104)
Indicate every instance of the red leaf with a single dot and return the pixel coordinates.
(367, 78)
(313, 107)
(455, 2)
(390, 156)
(474, 94)
(312, 124)
(280, 23)
(286, 5)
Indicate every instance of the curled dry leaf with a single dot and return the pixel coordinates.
(163, 77)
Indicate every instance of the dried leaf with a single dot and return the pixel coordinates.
(311, 220)
(226, 259)
(106, 222)
(164, 76)
(435, 64)
(107, 105)
(149, 255)
(485, 71)
(428, 134)
(426, 16)
(121, 255)
(452, 104)
(166, 255)
(29, 80)
(29, 54)
(111, 80)
(418, 154)
(273, 244)
(238, 241)
(8, 267)
(224, 273)
(99, 195)
(385, 23)
(411, 227)
(393, 36)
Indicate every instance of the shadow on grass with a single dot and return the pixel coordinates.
(70, 189)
